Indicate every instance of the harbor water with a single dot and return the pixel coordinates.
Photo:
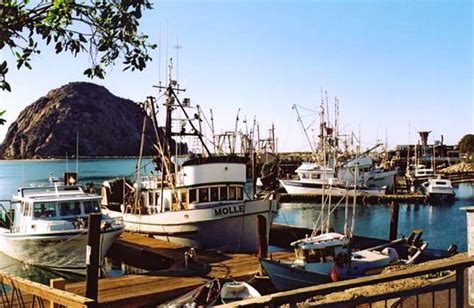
(442, 225)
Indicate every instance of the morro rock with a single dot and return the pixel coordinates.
(102, 123)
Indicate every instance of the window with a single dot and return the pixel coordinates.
(192, 195)
(214, 193)
(232, 193)
(44, 210)
(184, 197)
(203, 195)
(223, 193)
(315, 176)
(304, 175)
(240, 193)
(151, 198)
(69, 208)
(91, 207)
(173, 197)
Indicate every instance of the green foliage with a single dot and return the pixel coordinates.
(466, 144)
(2, 121)
(106, 29)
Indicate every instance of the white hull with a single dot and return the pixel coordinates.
(62, 250)
(230, 226)
(299, 187)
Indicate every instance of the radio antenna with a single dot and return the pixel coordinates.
(177, 47)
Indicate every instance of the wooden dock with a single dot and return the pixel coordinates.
(159, 286)
(361, 198)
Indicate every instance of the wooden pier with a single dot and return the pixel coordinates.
(361, 198)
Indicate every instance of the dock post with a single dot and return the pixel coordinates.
(470, 251)
(460, 288)
(92, 256)
(254, 174)
(262, 236)
(395, 209)
(57, 283)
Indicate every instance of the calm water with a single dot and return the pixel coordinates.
(442, 224)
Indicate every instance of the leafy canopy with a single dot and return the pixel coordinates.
(105, 29)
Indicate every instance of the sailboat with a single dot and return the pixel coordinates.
(199, 201)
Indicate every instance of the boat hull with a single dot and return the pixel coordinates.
(226, 227)
(286, 277)
(299, 187)
(62, 250)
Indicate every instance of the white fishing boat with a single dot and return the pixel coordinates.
(439, 190)
(234, 291)
(327, 258)
(198, 203)
(47, 226)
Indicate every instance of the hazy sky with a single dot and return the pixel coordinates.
(394, 65)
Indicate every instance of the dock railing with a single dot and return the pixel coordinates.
(294, 297)
(20, 292)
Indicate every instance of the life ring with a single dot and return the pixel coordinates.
(342, 259)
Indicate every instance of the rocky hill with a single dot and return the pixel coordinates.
(106, 125)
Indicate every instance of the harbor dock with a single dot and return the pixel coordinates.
(361, 198)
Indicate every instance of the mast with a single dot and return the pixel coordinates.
(304, 129)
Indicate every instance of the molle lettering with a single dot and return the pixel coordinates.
(229, 210)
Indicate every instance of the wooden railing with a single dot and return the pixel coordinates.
(300, 295)
(20, 292)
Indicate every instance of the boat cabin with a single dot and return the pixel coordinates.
(312, 171)
(43, 209)
(321, 248)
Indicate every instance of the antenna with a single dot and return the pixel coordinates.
(177, 47)
(77, 152)
(166, 55)
(159, 63)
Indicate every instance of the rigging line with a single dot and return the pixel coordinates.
(306, 108)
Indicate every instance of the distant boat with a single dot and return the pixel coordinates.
(438, 190)
(47, 226)
(236, 291)
(313, 178)
(326, 258)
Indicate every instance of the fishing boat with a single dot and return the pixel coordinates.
(438, 190)
(327, 258)
(47, 226)
(198, 201)
(234, 291)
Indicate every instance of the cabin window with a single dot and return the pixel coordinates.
(44, 210)
(173, 197)
(223, 193)
(184, 197)
(315, 176)
(192, 195)
(304, 175)
(68, 209)
(151, 198)
(239, 193)
(441, 183)
(232, 193)
(214, 193)
(315, 256)
(91, 207)
(203, 195)
(329, 251)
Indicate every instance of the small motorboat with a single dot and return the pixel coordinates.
(439, 190)
(236, 291)
(205, 295)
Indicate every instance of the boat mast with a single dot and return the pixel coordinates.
(304, 129)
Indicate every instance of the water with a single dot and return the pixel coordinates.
(442, 224)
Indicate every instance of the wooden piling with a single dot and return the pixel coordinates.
(92, 256)
(262, 236)
(395, 209)
(460, 288)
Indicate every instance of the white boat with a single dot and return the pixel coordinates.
(368, 176)
(313, 178)
(327, 257)
(234, 291)
(47, 226)
(199, 203)
(439, 190)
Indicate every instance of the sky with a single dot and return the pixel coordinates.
(397, 67)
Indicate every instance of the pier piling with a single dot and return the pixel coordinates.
(92, 256)
(395, 209)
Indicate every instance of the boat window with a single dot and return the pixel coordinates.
(151, 198)
(441, 183)
(240, 193)
(70, 208)
(232, 193)
(44, 210)
(304, 175)
(203, 195)
(315, 256)
(184, 197)
(91, 207)
(173, 197)
(329, 251)
(192, 195)
(223, 193)
(315, 176)
(214, 193)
